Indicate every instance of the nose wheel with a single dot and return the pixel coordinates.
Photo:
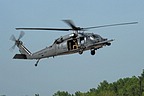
(92, 52)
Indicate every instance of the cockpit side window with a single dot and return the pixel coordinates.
(93, 36)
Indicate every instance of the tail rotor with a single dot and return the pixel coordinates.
(17, 41)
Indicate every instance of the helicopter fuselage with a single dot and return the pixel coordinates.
(69, 44)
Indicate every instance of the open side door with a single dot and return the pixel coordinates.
(72, 44)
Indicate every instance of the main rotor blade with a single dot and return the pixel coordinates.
(56, 29)
(73, 27)
(71, 24)
(110, 25)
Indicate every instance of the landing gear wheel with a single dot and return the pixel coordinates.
(92, 52)
(36, 65)
(81, 51)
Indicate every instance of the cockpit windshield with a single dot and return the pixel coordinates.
(94, 36)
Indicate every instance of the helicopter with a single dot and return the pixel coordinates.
(76, 42)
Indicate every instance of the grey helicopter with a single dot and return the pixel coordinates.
(76, 42)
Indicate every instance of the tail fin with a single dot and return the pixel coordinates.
(25, 53)
(23, 49)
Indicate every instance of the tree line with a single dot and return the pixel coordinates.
(130, 86)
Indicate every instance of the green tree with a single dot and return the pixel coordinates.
(62, 93)
(78, 93)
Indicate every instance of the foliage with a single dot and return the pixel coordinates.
(62, 93)
(133, 86)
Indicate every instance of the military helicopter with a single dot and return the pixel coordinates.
(76, 42)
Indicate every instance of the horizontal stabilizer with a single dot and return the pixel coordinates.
(20, 56)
